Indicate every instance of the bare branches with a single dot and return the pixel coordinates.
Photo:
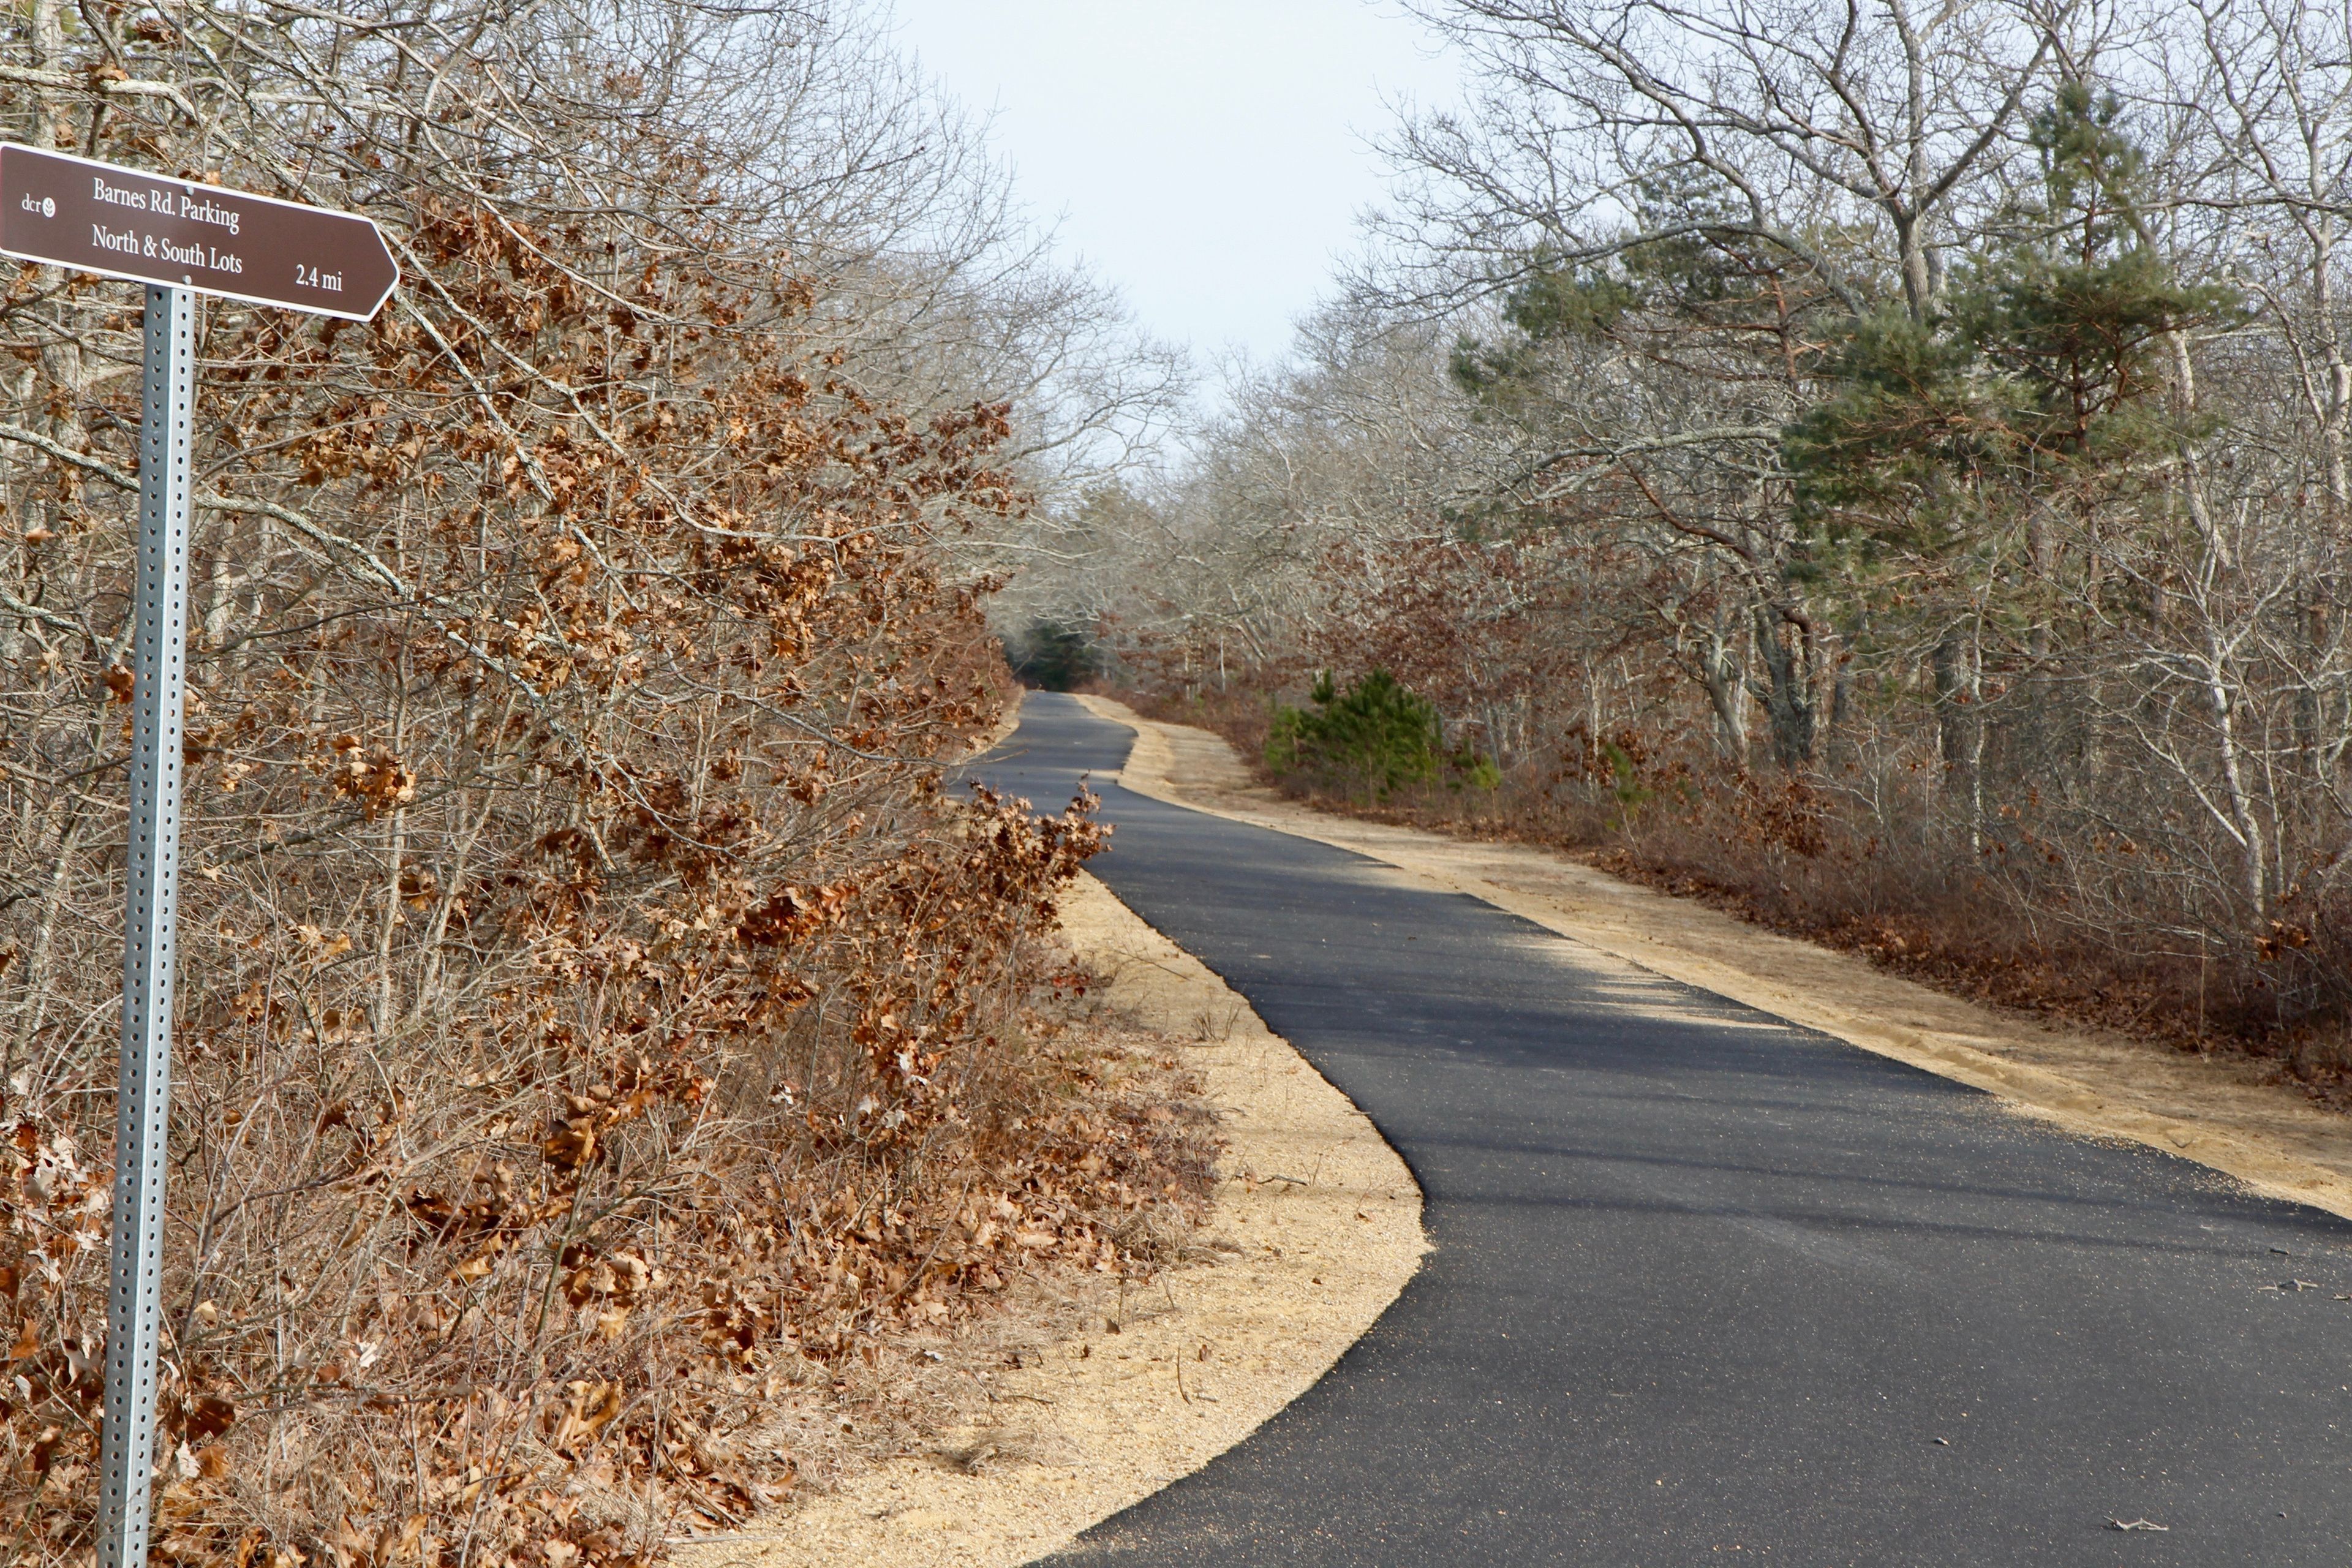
(570, 891)
(1931, 424)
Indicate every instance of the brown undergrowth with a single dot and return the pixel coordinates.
(606, 1047)
(1785, 857)
(590, 1285)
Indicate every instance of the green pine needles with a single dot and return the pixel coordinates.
(1368, 742)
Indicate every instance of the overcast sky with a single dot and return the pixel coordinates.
(1208, 156)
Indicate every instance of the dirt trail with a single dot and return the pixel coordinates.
(1316, 1228)
(2219, 1112)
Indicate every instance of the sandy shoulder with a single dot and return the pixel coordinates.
(1315, 1228)
(2217, 1111)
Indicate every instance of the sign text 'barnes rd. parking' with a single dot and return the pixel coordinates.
(128, 222)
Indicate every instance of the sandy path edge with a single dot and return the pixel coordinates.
(2217, 1111)
(1315, 1228)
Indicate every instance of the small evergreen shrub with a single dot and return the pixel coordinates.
(1369, 739)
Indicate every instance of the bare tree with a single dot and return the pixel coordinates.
(1947, 406)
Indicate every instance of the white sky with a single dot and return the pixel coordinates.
(1209, 157)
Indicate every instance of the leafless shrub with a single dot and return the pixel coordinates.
(595, 1017)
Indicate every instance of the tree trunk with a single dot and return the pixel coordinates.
(1790, 699)
(1727, 690)
(1959, 729)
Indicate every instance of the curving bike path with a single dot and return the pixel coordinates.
(1711, 1288)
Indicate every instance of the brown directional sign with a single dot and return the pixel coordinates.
(128, 222)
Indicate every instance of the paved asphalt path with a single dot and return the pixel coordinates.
(1709, 1288)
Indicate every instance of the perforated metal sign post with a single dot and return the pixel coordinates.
(134, 1301)
(181, 240)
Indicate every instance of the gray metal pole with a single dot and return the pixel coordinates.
(134, 1305)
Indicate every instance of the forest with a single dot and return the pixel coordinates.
(1882, 469)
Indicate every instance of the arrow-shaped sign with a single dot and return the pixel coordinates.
(130, 223)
